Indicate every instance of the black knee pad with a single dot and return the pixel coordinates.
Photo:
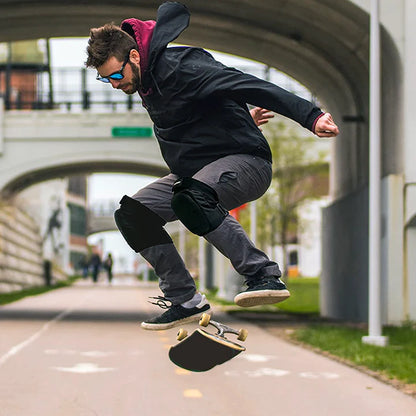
(196, 205)
(139, 225)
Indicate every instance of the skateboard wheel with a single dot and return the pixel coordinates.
(242, 334)
(204, 319)
(182, 334)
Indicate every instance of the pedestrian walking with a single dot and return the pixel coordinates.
(108, 266)
(95, 263)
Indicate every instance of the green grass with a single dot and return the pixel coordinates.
(20, 294)
(304, 297)
(396, 361)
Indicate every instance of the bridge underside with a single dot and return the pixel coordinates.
(41, 175)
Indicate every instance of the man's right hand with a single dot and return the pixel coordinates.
(326, 127)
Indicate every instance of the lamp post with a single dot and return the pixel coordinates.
(374, 336)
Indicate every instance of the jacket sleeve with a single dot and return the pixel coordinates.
(207, 77)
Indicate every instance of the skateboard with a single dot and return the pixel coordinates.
(202, 350)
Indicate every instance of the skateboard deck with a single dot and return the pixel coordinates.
(202, 351)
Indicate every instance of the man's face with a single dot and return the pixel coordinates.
(131, 74)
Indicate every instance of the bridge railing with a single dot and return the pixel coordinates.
(104, 208)
(72, 89)
(76, 90)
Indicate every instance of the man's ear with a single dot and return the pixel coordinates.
(135, 56)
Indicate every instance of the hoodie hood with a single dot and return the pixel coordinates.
(153, 37)
(142, 32)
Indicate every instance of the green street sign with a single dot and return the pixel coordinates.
(132, 131)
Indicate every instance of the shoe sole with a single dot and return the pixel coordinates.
(160, 327)
(261, 297)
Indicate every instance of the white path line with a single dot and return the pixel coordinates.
(19, 347)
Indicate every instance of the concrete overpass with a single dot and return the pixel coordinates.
(37, 146)
(325, 45)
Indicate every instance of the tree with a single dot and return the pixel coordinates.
(298, 169)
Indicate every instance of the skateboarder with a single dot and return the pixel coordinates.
(217, 155)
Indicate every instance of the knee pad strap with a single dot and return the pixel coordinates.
(196, 205)
(139, 225)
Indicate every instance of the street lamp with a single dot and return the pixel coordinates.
(374, 336)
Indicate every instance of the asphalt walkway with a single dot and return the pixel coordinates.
(80, 351)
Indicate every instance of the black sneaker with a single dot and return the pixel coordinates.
(265, 291)
(175, 315)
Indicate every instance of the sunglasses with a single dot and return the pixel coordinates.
(118, 75)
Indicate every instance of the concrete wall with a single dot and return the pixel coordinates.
(344, 285)
(39, 202)
(21, 262)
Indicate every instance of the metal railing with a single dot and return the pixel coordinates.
(104, 208)
(76, 89)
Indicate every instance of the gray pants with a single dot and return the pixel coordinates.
(237, 179)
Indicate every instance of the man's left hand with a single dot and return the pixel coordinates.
(261, 115)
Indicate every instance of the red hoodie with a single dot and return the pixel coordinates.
(142, 32)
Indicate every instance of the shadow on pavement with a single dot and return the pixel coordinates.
(77, 316)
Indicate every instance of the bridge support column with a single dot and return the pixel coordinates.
(1, 124)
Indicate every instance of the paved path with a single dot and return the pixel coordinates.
(80, 351)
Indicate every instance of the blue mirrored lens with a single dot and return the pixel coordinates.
(116, 76)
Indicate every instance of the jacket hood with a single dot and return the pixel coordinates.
(172, 20)
(142, 32)
(153, 37)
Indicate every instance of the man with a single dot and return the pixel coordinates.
(216, 153)
(95, 266)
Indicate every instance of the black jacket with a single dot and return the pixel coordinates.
(199, 106)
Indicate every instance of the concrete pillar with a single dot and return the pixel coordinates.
(1, 125)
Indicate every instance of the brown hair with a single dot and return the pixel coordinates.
(107, 41)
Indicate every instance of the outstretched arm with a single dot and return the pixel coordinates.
(211, 78)
(323, 127)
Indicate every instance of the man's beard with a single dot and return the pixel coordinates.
(135, 82)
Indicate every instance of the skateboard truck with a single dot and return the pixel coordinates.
(202, 350)
(222, 329)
